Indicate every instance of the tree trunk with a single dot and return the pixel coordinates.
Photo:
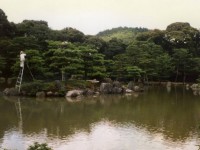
(63, 76)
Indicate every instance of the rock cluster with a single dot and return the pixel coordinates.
(108, 87)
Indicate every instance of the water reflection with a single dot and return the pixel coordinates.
(156, 119)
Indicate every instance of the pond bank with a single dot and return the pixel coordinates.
(74, 88)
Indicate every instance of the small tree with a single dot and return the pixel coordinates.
(134, 72)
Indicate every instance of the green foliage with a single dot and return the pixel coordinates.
(114, 47)
(127, 35)
(38, 146)
(180, 35)
(120, 53)
(72, 35)
(177, 26)
(155, 36)
(7, 29)
(96, 43)
(134, 72)
(80, 84)
(67, 60)
(119, 67)
(34, 64)
(21, 43)
(150, 58)
(163, 66)
(93, 63)
(2, 64)
(33, 87)
(32, 28)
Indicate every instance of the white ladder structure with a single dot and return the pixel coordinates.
(19, 79)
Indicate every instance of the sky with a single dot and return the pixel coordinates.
(93, 16)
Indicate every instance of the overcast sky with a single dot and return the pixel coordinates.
(92, 16)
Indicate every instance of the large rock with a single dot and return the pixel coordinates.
(106, 88)
(117, 84)
(136, 88)
(129, 91)
(50, 93)
(88, 92)
(131, 85)
(74, 93)
(11, 92)
(117, 90)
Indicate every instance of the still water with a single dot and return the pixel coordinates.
(158, 119)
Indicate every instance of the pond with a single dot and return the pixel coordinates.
(153, 120)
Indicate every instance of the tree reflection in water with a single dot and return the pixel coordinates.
(171, 116)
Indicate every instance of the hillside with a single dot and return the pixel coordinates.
(126, 34)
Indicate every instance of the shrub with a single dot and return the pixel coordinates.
(33, 87)
(38, 146)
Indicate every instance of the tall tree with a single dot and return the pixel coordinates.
(7, 29)
(93, 63)
(34, 65)
(119, 67)
(181, 59)
(73, 35)
(115, 47)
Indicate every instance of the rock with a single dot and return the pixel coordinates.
(93, 81)
(11, 92)
(117, 84)
(136, 88)
(74, 93)
(106, 88)
(6, 90)
(129, 91)
(131, 85)
(117, 90)
(88, 92)
(40, 94)
(50, 93)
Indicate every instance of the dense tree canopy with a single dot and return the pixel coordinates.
(7, 29)
(120, 53)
